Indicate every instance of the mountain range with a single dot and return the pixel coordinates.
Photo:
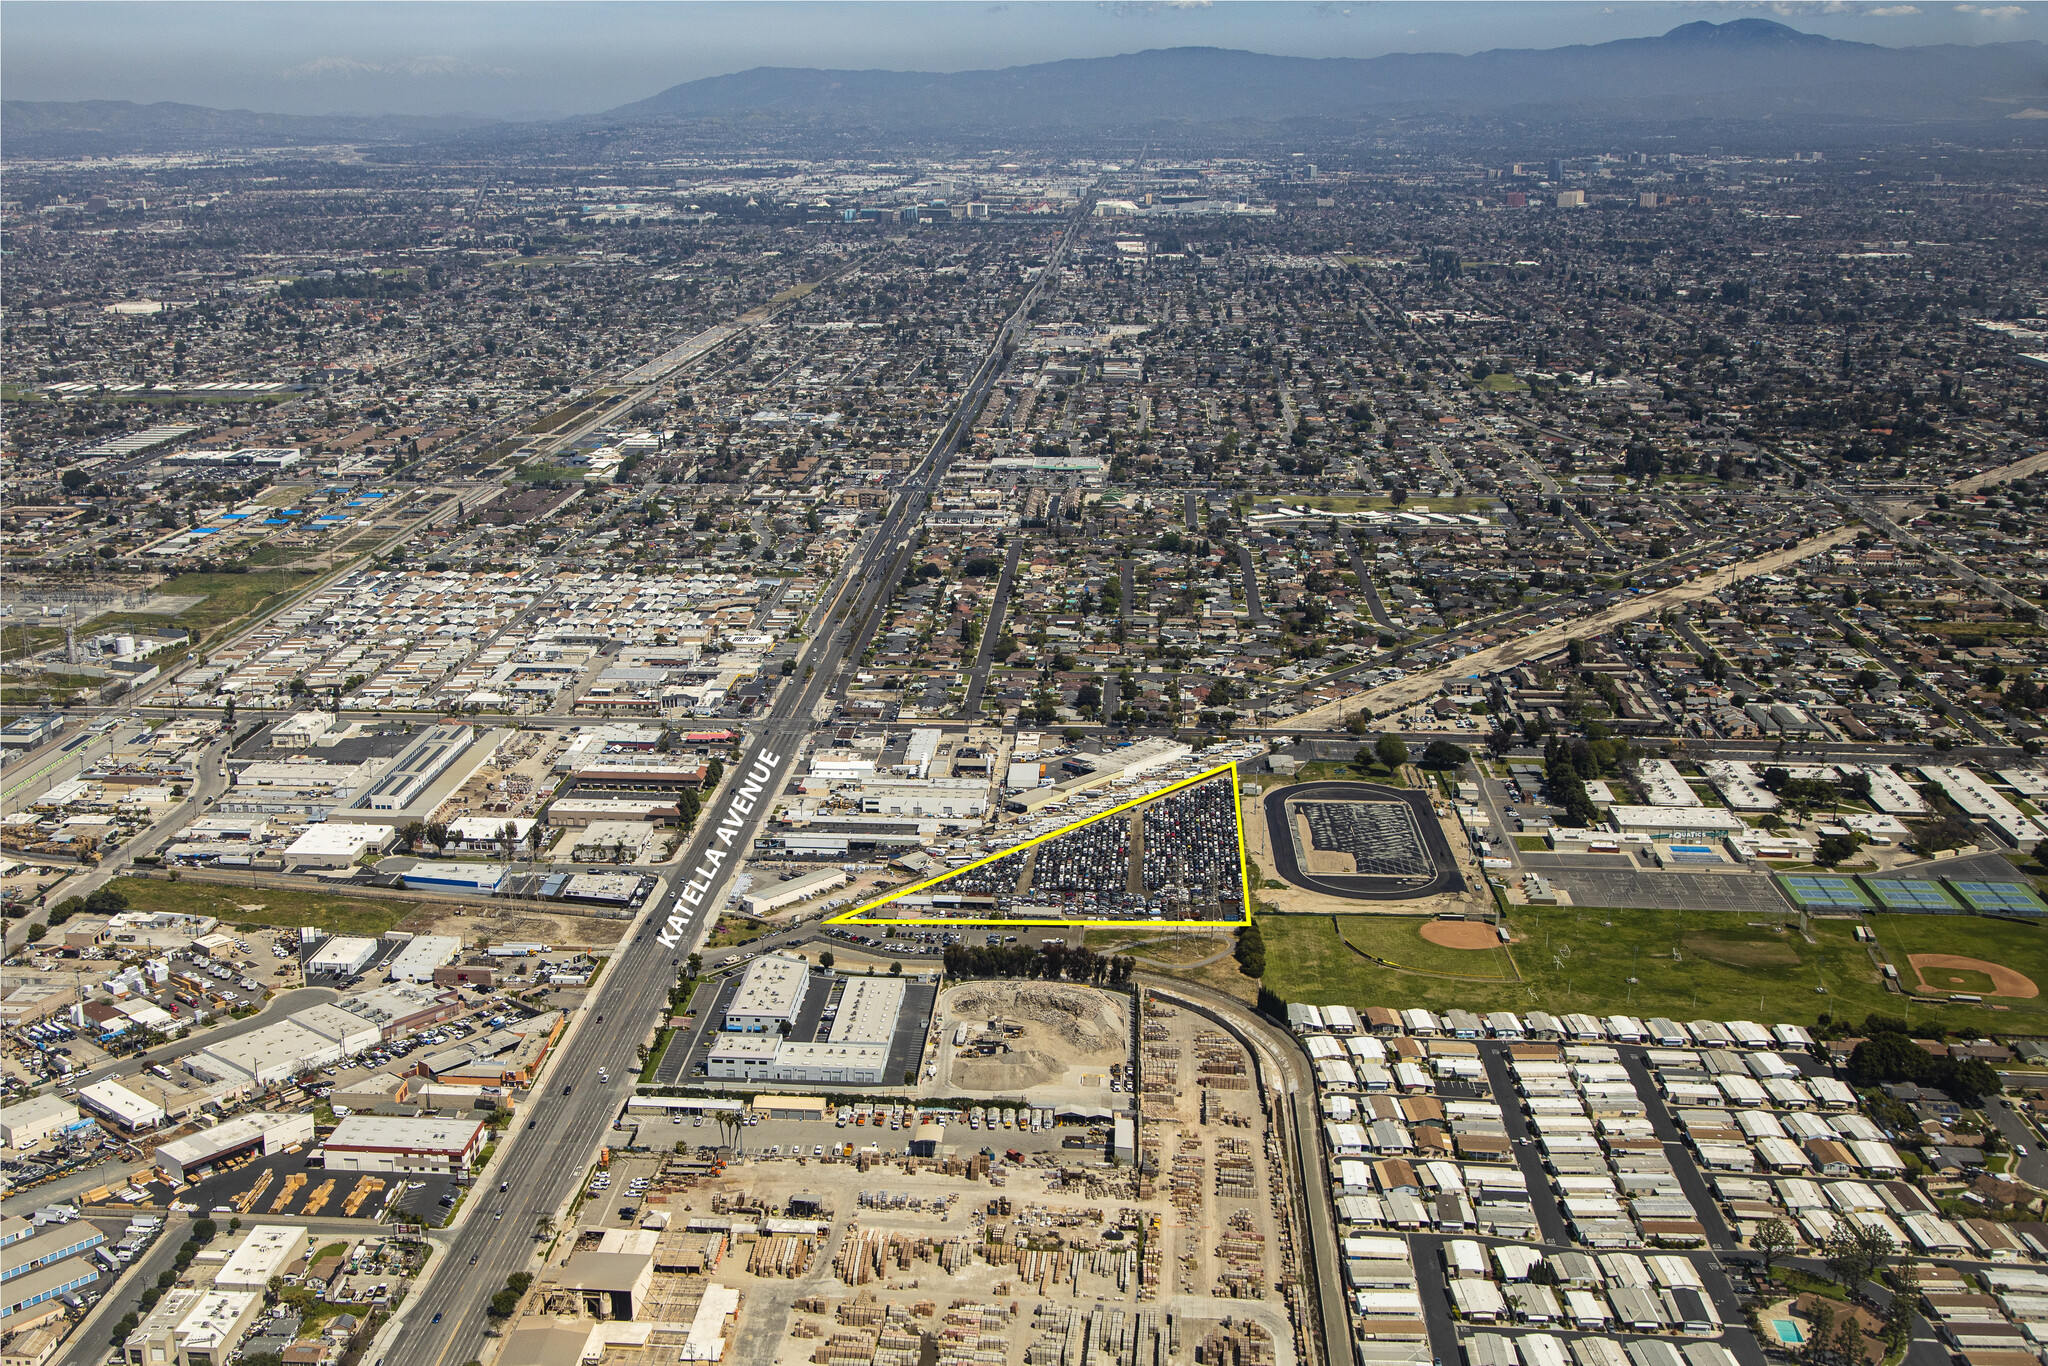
(1746, 69)
(1752, 67)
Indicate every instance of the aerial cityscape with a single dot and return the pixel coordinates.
(1024, 685)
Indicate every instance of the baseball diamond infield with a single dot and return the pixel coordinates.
(2004, 981)
(1461, 934)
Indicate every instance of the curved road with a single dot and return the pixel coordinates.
(1302, 1128)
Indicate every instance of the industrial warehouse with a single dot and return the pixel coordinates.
(786, 1021)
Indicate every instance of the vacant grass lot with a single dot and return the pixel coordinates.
(278, 906)
(227, 597)
(1688, 965)
(1158, 946)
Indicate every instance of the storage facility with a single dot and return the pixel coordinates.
(190, 1158)
(769, 996)
(384, 1143)
(265, 1251)
(336, 844)
(342, 956)
(424, 953)
(774, 896)
(38, 1118)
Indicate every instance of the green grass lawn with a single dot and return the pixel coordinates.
(1572, 958)
(1366, 771)
(537, 473)
(268, 555)
(661, 1043)
(1503, 384)
(1806, 1283)
(282, 907)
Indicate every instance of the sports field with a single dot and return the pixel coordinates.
(1688, 965)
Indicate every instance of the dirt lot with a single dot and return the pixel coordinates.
(1057, 1041)
(515, 924)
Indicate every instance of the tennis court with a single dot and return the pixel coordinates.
(2000, 898)
(1822, 892)
(1912, 896)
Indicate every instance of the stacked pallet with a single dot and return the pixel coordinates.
(781, 1255)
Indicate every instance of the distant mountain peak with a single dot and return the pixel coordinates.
(1758, 31)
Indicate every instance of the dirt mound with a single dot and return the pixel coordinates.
(1460, 934)
(1081, 1020)
(1022, 1068)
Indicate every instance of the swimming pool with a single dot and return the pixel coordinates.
(1788, 1332)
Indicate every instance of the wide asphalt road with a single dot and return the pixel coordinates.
(556, 1132)
(977, 682)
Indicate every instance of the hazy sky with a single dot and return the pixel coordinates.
(517, 60)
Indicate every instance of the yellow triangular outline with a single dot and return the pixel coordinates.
(852, 917)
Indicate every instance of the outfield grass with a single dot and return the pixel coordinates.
(2014, 944)
(1729, 966)
(1398, 940)
(281, 907)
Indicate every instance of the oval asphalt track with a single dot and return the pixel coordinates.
(1361, 886)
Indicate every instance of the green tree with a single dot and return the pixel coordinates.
(1391, 751)
(1444, 754)
(1251, 950)
(1899, 1314)
(1854, 1252)
(1773, 1240)
(1834, 849)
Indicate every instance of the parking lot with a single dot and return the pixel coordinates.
(284, 1183)
(1748, 893)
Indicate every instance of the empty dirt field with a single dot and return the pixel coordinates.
(1048, 1038)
